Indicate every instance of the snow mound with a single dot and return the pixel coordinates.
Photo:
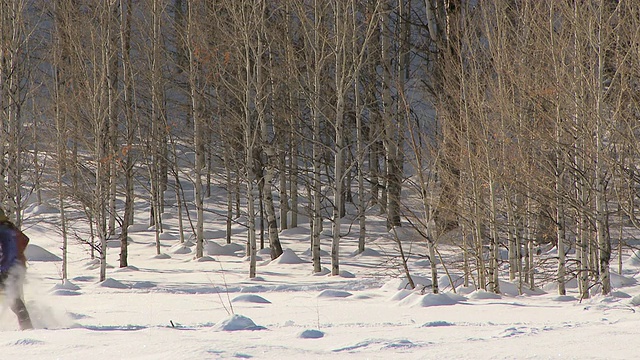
(213, 248)
(311, 334)
(95, 264)
(403, 283)
(509, 288)
(328, 293)
(620, 294)
(512, 289)
(465, 290)
(66, 285)
(448, 283)
(258, 258)
(205, 259)
(234, 247)
(437, 323)
(430, 299)
(162, 256)
(180, 249)
(143, 285)
(37, 253)
(618, 281)
(553, 286)
(65, 289)
(400, 344)
(251, 298)
(366, 252)
(129, 268)
(484, 295)
(346, 274)
(113, 284)
(65, 292)
(288, 257)
(265, 251)
(236, 323)
(635, 300)
(564, 298)
(401, 294)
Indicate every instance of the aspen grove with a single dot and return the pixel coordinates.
(505, 131)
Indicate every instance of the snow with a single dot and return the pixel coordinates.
(36, 253)
(288, 257)
(213, 248)
(251, 298)
(173, 306)
(484, 295)
(311, 334)
(334, 294)
(237, 322)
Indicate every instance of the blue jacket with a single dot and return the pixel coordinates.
(8, 248)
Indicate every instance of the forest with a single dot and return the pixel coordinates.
(493, 127)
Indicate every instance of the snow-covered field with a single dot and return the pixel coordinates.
(174, 307)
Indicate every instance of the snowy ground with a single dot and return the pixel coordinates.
(174, 307)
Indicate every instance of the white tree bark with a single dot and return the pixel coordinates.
(601, 216)
(61, 134)
(198, 130)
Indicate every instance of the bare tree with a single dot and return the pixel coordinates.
(15, 70)
(128, 101)
(197, 104)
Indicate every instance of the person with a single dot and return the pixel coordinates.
(13, 267)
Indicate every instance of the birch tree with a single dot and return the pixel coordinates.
(15, 38)
(266, 122)
(313, 30)
(61, 79)
(196, 108)
(128, 101)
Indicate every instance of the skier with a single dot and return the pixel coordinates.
(13, 268)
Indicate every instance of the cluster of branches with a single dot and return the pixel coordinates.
(265, 98)
(538, 104)
(508, 124)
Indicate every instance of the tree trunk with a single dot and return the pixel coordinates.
(198, 131)
(267, 145)
(230, 188)
(601, 215)
(316, 106)
(61, 131)
(125, 43)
